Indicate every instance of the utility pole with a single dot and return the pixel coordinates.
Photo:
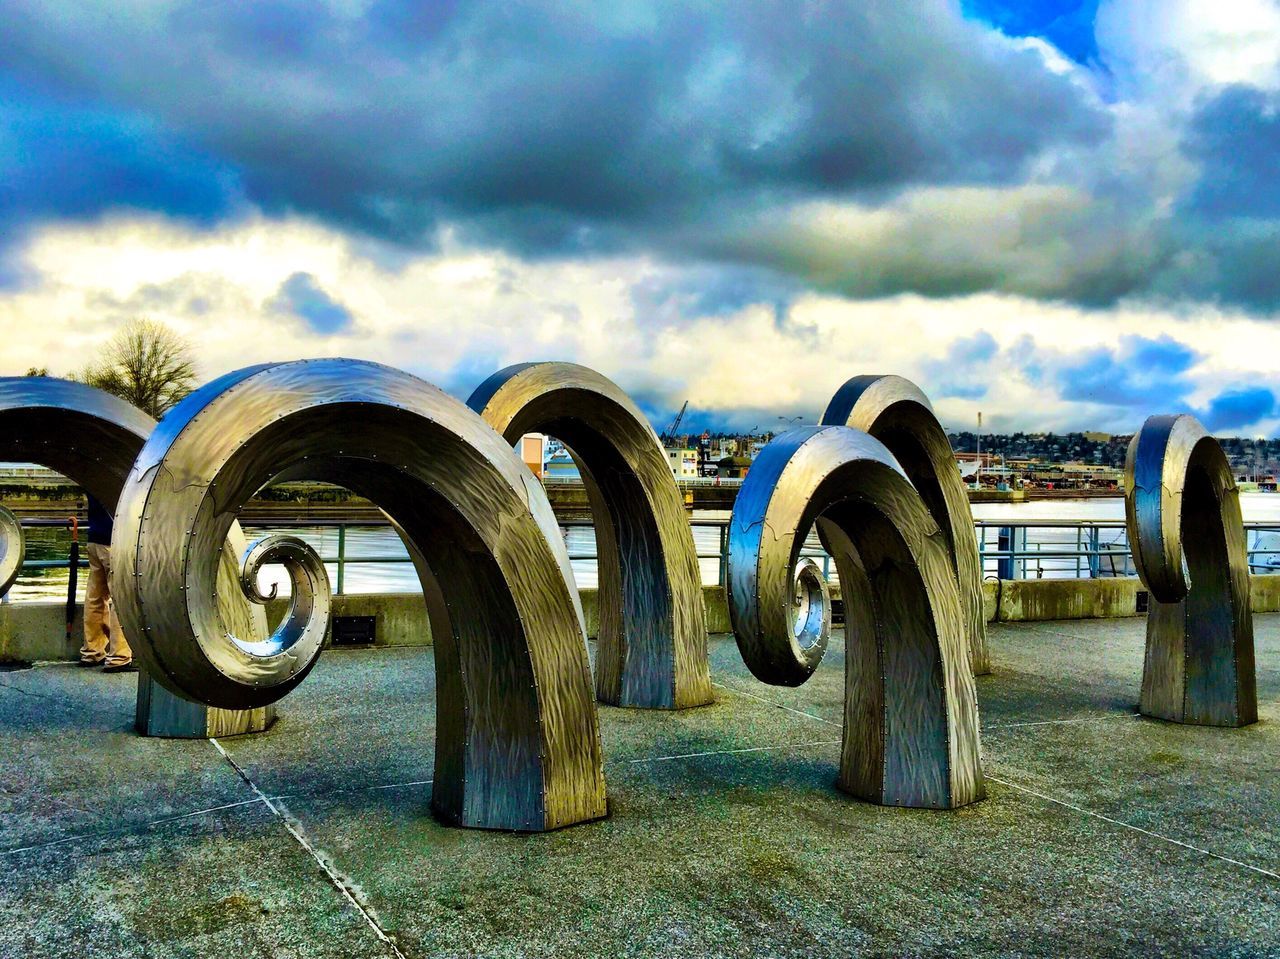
(977, 448)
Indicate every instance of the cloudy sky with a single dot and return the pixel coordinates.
(1063, 214)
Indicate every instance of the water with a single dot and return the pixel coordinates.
(400, 577)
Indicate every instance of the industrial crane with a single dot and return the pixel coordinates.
(669, 436)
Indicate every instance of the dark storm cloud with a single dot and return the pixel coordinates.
(705, 133)
(1236, 136)
(578, 134)
(75, 162)
(303, 297)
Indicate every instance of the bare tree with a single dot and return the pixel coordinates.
(37, 371)
(146, 363)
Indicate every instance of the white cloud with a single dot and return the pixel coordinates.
(1173, 49)
(455, 316)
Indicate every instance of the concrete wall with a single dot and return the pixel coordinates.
(36, 631)
(402, 617)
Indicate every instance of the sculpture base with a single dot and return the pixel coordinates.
(1198, 669)
(160, 713)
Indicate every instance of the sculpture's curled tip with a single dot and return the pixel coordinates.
(307, 621)
(911, 716)
(812, 604)
(13, 549)
(1185, 529)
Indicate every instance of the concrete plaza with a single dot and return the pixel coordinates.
(1104, 833)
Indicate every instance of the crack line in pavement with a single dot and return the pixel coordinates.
(770, 702)
(416, 782)
(103, 834)
(729, 752)
(1061, 802)
(1059, 722)
(1146, 832)
(25, 692)
(295, 830)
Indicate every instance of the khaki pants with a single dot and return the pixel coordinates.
(103, 638)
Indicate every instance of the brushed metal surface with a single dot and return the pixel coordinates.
(911, 716)
(517, 743)
(13, 549)
(897, 413)
(652, 641)
(1183, 515)
(92, 437)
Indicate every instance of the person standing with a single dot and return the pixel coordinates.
(104, 641)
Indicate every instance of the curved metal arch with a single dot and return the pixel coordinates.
(13, 549)
(652, 649)
(517, 742)
(93, 438)
(1183, 515)
(911, 716)
(898, 413)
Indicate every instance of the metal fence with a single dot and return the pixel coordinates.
(1010, 549)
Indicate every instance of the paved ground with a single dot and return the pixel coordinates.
(1104, 833)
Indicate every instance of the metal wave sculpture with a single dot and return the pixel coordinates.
(898, 413)
(13, 549)
(1187, 536)
(911, 717)
(517, 742)
(652, 649)
(93, 437)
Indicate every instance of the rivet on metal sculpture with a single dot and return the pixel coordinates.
(93, 437)
(1188, 542)
(13, 549)
(897, 413)
(652, 650)
(911, 716)
(517, 742)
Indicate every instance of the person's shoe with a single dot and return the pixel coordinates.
(90, 662)
(120, 668)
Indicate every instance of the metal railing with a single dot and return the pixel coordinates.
(340, 560)
(684, 482)
(1074, 549)
(1009, 549)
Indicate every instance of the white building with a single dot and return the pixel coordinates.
(683, 461)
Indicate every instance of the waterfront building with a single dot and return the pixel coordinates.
(683, 461)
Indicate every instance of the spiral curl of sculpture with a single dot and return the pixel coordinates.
(1183, 515)
(911, 716)
(304, 625)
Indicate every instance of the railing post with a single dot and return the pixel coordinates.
(1004, 544)
(1095, 552)
(723, 573)
(342, 556)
